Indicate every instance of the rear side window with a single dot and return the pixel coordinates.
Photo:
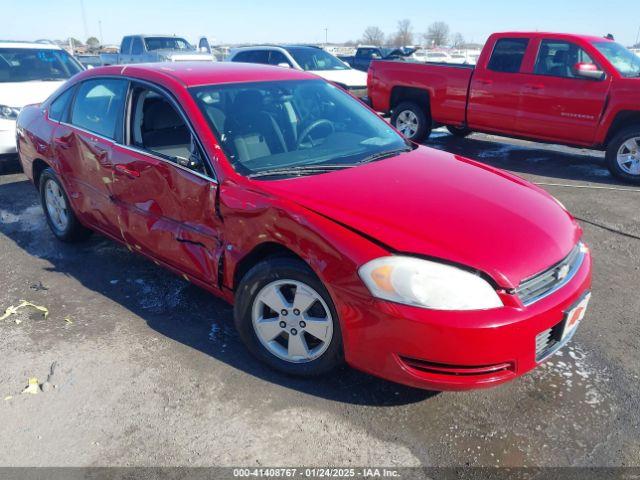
(99, 106)
(58, 107)
(508, 54)
(126, 45)
(136, 46)
(252, 56)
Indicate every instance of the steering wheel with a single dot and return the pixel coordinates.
(318, 123)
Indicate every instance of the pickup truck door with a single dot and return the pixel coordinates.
(494, 93)
(167, 208)
(557, 104)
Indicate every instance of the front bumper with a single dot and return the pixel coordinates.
(7, 137)
(438, 350)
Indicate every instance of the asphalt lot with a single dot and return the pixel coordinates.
(149, 370)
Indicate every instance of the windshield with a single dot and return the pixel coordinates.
(625, 61)
(311, 124)
(316, 59)
(29, 64)
(167, 43)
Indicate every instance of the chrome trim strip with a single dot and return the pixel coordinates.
(169, 162)
(572, 273)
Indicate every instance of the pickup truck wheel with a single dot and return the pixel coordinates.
(412, 121)
(286, 318)
(459, 132)
(62, 221)
(623, 155)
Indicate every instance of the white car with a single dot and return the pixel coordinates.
(431, 56)
(29, 73)
(309, 58)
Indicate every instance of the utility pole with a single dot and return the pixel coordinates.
(100, 29)
(326, 36)
(84, 20)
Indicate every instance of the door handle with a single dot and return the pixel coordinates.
(534, 86)
(485, 81)
(122, 169)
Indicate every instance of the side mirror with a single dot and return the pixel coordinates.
(193, 162)
(284, 65)
(588, 70)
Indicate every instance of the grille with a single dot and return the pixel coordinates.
(548, 341)
(545, 283)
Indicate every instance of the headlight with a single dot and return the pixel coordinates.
(426, 284)
(9, 113)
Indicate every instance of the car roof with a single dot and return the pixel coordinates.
(42, 46)
(191, 74)
(565, 36)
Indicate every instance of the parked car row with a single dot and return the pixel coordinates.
(568, 89)
(29, 73)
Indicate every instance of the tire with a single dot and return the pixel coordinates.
(406, 114)
(460, 132)
(70, 230)
(280, 274)
(623, 145)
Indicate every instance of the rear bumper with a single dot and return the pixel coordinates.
(455, 350)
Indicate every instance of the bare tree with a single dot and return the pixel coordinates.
(404, 34)
(373, 36)
(457, 41)
(437, 34)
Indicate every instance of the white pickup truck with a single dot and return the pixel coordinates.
(154, 48)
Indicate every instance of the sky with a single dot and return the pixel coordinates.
(279, 21)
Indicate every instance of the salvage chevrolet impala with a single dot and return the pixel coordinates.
(336, 239)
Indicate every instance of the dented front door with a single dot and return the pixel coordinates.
(167, 212)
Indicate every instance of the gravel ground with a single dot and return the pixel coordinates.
(145, 369)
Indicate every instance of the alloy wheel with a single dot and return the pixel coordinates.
(292, 321)
(56, 205)
(629, 156)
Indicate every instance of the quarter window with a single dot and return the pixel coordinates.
(126, 46)
(508, 54)
(558, 59)
(99, 106)
(59, 105)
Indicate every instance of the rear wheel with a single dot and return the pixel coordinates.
(412, 121)
(57, 209)
(459, 132)
(287, 319)
(623, 155)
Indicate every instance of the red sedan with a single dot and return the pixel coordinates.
(335, 239)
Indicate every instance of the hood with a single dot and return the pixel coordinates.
(19, 94)
(401, 52)
(181, 55)
(350, 77)
(435, 204)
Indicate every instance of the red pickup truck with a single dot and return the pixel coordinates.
(558, 88)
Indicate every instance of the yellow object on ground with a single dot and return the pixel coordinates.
(33, 388)
(23, 303)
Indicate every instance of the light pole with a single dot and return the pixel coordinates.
(326, 36)
(100, 29)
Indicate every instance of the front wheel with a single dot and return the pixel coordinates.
(623, 155)
(412, 121)
(286, 318)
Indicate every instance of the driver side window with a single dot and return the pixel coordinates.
(558, 59)
(158, 128)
